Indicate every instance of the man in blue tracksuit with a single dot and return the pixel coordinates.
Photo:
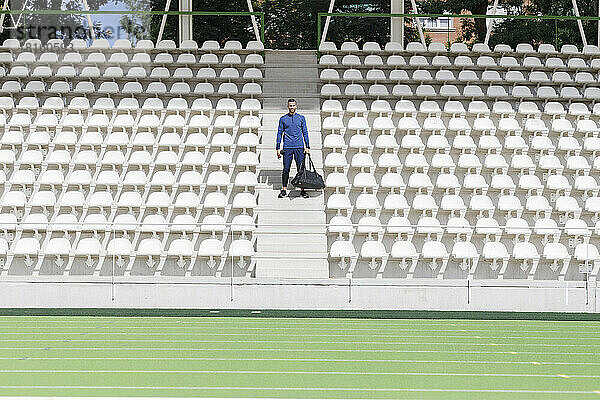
(292, 129)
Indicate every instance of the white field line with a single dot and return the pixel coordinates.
(303, 321)
(296, 342)
(468, 335)
(304, 389)
(237, 328)
(95, 371)
(305, 359)
(257, 349)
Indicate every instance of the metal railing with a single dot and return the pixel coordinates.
(3, 13)
(555, 18)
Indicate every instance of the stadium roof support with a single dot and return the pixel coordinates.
(163, 22)
(397, 24)
(579, 23)
(330, 10)
(253, 19)
(89, 20)
(491, 23)
(418, 23)
(185, 21)
(6, 7)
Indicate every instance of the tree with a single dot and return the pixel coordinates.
(514, 31)
(50, 26)
(536, 31)
(289, 24)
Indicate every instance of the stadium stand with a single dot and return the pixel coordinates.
(461, 164)
(143, 156)
(453, 164)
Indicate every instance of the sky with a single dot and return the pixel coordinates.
(112, 20)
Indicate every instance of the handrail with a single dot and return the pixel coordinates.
(142, 12)
(486, 16)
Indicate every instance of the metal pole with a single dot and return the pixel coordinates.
(579, 23)
(318, 32)
(262, 27)
(555, 33)
(185, 21)
(5, 7)
(397, 24)
(330, 10)
(89, 19)
(490, 24)
(253, 19)
(414, 6)
(163, 22)
(599, 23)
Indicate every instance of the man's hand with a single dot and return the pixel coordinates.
(278, 154)
(306, 150)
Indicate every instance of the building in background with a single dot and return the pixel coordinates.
(444, 30)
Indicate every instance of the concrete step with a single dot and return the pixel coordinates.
(292, 268)
(303, 243)
(284, 218)
(285, 248)
(267, 199)
(269, 161)
(308, 101)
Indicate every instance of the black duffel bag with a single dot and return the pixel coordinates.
(308, 177)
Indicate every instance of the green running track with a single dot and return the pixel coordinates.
(299, 358)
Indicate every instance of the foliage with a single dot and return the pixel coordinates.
(289, 24)
(547, 31)
(515, 31)
(45, 26)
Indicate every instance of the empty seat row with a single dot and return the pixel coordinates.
(125, 44)
(133, 73)
(90, 159)
(461, 62)
(464, 76)
(129, 88)
(129, 201)
(544, 49)
(480, 125)
(176, 223)
(129, 105)
(446, 91)
(174, 121)
(400, 226)
(508, 204)
(466, 253)
(51, 59)
(135, 177)
(452, 108)
(123, 248)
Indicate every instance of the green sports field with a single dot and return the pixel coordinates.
(299, 358)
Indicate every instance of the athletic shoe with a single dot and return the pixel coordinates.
(304, 194)
(282, 194)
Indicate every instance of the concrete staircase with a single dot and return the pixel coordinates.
(285, 250)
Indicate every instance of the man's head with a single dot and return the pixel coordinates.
(291, 103)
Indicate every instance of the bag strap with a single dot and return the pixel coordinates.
(312, 166)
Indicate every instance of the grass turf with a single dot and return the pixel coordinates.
(299, 358)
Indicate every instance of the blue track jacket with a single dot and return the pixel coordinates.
(292, 128)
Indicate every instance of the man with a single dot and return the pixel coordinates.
(292, 129)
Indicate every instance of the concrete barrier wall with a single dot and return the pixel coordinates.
(331, 294)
